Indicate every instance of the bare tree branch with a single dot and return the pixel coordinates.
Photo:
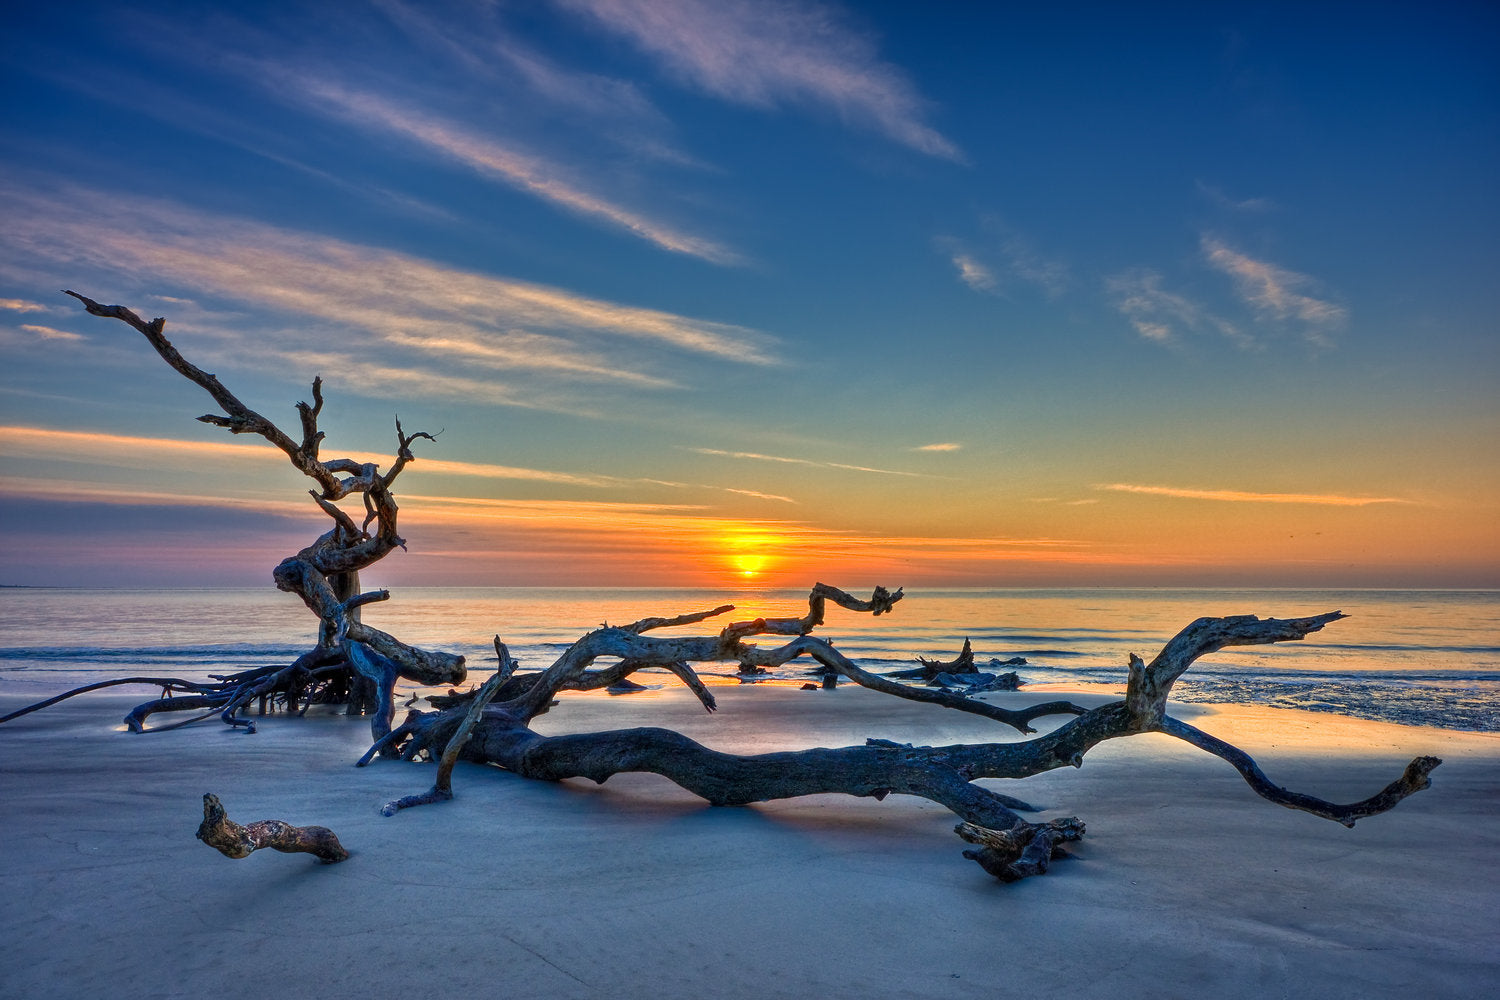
(1414, 779)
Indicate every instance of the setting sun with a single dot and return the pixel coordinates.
(749, 565)
(751, 552)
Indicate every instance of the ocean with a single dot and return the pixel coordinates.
(1428, 657)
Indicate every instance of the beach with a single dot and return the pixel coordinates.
(1186, 884)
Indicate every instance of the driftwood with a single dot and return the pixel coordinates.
(1011, 847)
(356, 664)
(963, 663)
(234, 841)
(350, 656)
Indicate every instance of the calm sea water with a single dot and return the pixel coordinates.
(1418, 657)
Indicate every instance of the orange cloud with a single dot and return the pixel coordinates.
(1244, 496)
(130, 450)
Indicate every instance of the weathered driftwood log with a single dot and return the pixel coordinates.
(1010, 847)
(234, 841)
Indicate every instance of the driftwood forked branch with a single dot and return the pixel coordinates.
(881, 602)
(234, 841)
(1148, 685)
(442, 785)
(1008, 846)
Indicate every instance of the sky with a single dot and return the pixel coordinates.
(722, 293)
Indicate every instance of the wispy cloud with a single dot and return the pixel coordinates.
(50, 333)
(1223, 200)
(1009, 258)
(760, 496)
(597, 529)
(516, 349)
(434, 324)
(23, 306)
(1033, 267)
(516, 168)
(755, 494)
(611, 537)
(939, 446)
(485, 48)
(132, 451)
(187, 111)
(472, 47)
(120, 495)
(756, 457)
(1162, 316)
(974, 274)
(1273, 292)
(1244, 496)
(766, 53)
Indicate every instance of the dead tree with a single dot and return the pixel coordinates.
(493, 725)
(350, 658)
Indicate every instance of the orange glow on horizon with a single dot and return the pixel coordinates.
(648, 536)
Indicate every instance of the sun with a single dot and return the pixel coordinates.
(749, 565)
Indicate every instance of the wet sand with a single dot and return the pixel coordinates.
(1187, 884)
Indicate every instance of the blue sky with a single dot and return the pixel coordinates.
(941, 293)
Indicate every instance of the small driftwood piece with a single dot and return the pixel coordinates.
(963, 663)
(235, 841)
(1011, 855)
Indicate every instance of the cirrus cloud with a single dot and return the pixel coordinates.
(765, 53)
(1246, 496)
(1274, 292)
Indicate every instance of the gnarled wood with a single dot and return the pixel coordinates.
(326, 573)
(1010, 848)
(1149, 685)
(234, 841)
(442, 786)
(1022, 851)
(1415, 778)
(963, 663)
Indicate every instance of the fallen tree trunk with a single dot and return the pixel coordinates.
(1010, 847)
